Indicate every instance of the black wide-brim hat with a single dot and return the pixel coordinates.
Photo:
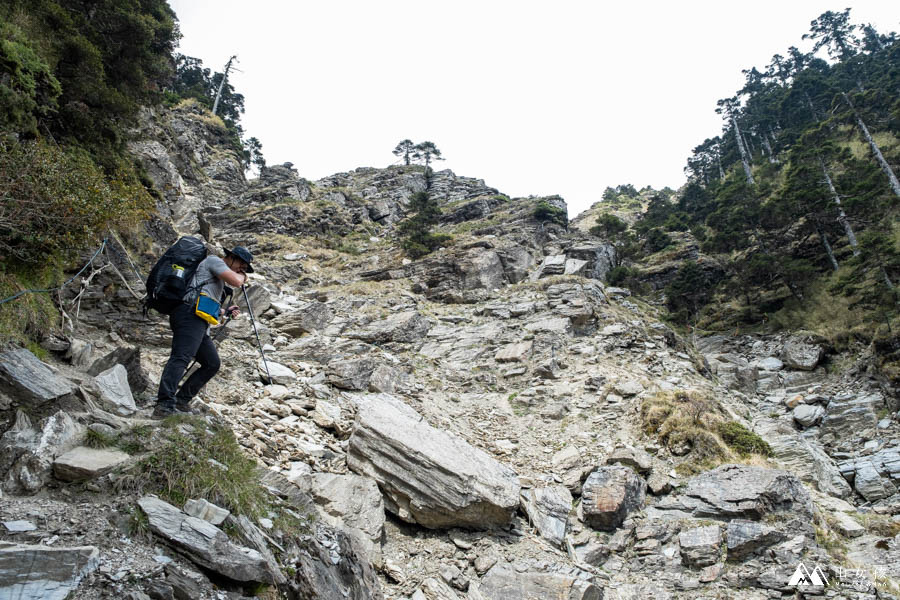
(243, 254)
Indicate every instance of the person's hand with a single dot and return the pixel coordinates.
(233, 311)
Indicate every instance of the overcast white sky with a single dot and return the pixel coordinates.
(563, 97)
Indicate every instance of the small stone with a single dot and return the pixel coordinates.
(86, 463)
(700, 546)
(19, 526)
(484, 563)
(710, 573)
(847, 526)
(207, 511)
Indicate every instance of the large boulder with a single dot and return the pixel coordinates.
(43, 572)
(738, 491)
(408, 326)
(599, 258)
(26, 379)
(609, 495)
(204, 543)
(548, 509)
(429, 476)
(504, 583)
(800, 354)
(361, 374)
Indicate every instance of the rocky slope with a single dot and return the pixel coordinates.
(475, 424)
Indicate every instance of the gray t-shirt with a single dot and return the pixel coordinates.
(208, 271)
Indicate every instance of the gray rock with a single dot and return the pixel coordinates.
(635, 458)
(609, 495)
(738, 491)
(26, 379)
(575, 266)
(548, 509)
(27, 453)
(312, 317)
(628, 388)
(354, 504)
(700, 546)
(503, 583)
(130, 358)
(869, 484)
(517, 262)
(43, 572)
(659, 484)
(434, 589)
(554, 264)
(384, 379)
(798, 354)
(281, 374)
(847, 526)
(750, 537)
(84, 463)
(807, 415)
(850, 418)
(770, 363)
(19, 526)
(798, 455)
(550, 325)
(517, 352)
(115, 391)
(567, 464)
(204, 543)
(599, 258)
(429, 476)
(80, 353)
(352, 374)
(209, 512)
(260, 300)
(409, 326)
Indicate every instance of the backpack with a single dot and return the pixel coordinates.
(167, 283)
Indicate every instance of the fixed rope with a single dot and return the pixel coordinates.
(67, 282)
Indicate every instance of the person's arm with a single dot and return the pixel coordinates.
(233, 278)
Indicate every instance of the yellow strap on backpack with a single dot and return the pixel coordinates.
(207, 309)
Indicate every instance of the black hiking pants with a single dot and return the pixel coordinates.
(189, 340)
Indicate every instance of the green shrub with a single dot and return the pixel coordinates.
(656, 240)
(609, 226)
(547, 213)
(622, 275)
(742, 440)
(56, 202)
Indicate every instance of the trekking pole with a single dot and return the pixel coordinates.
(215, 336)
(258, 343)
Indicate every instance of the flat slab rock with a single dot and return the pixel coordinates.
(27, 379)
(42, 572)
(204, 543)
(83, 463)
(504, 583)
(429, 476)
(738, 491)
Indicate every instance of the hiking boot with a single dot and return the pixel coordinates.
(161, 412)
(184, 408)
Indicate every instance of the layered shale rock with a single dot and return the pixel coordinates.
(429, 476)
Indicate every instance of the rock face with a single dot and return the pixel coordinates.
(503, 583)
(876, 476)
(51, 574)
(609, 495)
(850, 417)
(750, 537)
(700, 546)
(27, 452)
(115, 391)
(354, 504)
(27, 379)
(427, 475)
(739, 491)
(130, 358)
(548, 508)
(204, 543)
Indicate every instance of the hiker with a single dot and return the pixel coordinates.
(190, 332)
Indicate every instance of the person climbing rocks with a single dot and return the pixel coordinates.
(190, 331)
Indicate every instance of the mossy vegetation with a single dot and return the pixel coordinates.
(692, 424)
